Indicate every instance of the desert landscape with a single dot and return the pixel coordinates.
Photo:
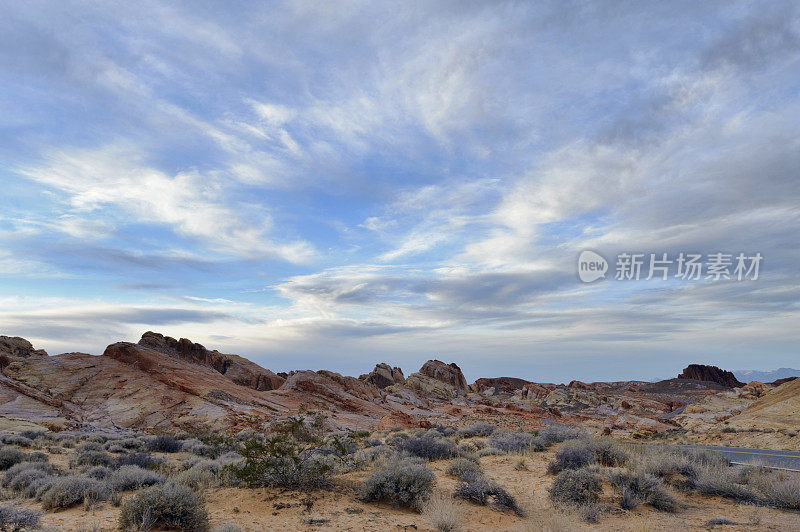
(166, 434)
(421, 265)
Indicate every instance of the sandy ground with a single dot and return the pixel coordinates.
(339, 509)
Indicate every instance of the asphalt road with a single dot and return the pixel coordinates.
(765, 457)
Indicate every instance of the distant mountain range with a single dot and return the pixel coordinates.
(747, 375)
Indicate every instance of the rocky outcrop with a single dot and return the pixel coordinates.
(440, 380)
(14, 346)
(753, 390)
(383, 376)
(401, 420)
(508, 385)
(702, 372)
(534, 390)
(579, 385)
(238, 369)
(446, 373)
(163, 383)
(572, 398)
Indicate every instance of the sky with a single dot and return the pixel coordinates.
(329, 185)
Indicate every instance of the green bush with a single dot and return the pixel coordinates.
(170, 505)
(399, 481)
(282, 460)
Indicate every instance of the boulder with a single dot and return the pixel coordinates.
(14, 346)
(401, 420)
(439, 380)
(572, 398)
(534, 390)
(753, 390)
(447, 373)
(238, 369)
(384, 375)
(702, 372)
(508, 385)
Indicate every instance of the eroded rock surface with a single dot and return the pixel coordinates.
(384, 376)
(508, 385)
(702, 372)
(440, 380)
(236, 368)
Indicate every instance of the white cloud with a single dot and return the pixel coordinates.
(272, 114)
(191, 203)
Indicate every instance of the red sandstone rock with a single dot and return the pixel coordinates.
(238, 369)
(702, 372)
(401, 420)
(507, 385)
(384, 376)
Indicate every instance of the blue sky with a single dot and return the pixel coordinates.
(339, 184)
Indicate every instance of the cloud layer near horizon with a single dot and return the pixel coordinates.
(334, 186)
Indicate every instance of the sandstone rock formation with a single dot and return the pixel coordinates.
(176, 385)
(238, 369)
(507, 385)
(14, 346)
(535, 390)
(440, 380)
(401, 420)
(702, 372)
(163, 383)
(778, 408)
(383, 376)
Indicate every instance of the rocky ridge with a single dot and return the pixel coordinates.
(163, 383)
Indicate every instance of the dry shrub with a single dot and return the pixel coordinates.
(429, 447)
(170, 506)
(571, 457)
(546, 519)
(443, 512)
(640, 488)
(462, 467)
(13, 517)
(399, 481)
(575, 486)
